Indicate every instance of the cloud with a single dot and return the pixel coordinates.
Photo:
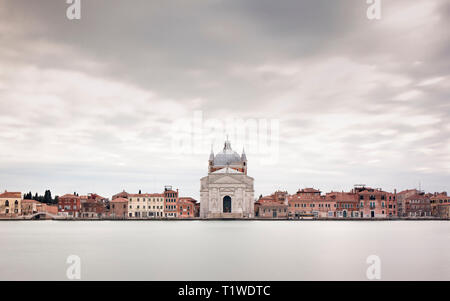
(88, 105)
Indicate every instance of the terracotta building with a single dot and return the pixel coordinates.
(392, 204)
(401, 200)
(373, 203)
(93, 206)
(186, 207)
(38, 209)
(273, 210)
(69, 205)
(440, 205)
(266, 203)
(309, 203)
(343, 204)
(10, 204)
(30, 207)
(170, 202)
(273, 206)
(418, 205)
(118, 208)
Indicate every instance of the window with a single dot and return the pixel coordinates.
(6, 203)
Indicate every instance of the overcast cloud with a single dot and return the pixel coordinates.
(88, 105)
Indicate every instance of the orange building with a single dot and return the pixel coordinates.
(401, 200)
(38, 209)
(273, 210)
(186, 207)
(69, 205)
(118, 208)
(272, 206)
(418, 205)
(373, 203)
(440, 205)
(93, 206)
(170, 202)
(344, 204)
(309, 203)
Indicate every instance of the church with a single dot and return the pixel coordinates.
(227, 191)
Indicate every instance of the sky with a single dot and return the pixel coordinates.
(99, 104)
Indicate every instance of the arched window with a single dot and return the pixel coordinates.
(227, 204)
(6, 203)
(16, 203)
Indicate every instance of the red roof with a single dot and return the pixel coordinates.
(342, 196)
(418, 197)
(272, 204)
(69, 196)
(146, 195)
(119, 200)
(8, 194)
(30, 201)
(187, 199)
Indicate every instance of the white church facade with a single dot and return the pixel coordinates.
(227, 191)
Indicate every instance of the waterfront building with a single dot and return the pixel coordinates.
(29, 207)
(372, 202)
(344, 205)
(227, 191)
(418, 205)
(186, 207)
(272, 210)
(69, 205)
(93, 206)
(309, 203)
(10, 204)
(155, 205)
(33, 207)
(440, 205)
(267, 206)
(137, 205)
(146, 205)
(392, 204)
(401, 200)
(170, 202)
(118, 208)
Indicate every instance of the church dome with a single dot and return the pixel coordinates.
(227, 156)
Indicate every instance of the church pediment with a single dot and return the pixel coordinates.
(227, 180)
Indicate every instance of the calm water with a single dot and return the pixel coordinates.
(225, 250)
